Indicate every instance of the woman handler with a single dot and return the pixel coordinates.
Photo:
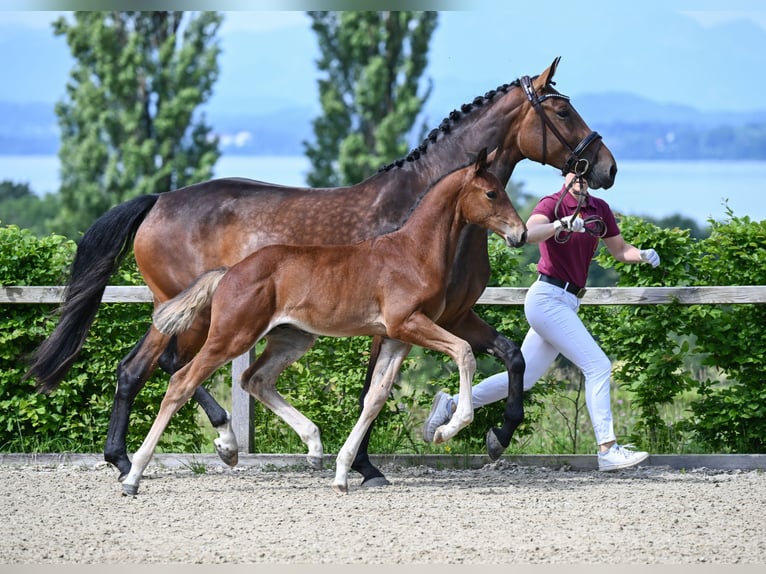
(568, 238)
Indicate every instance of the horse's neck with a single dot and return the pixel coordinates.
(490, 125)
(435, 225)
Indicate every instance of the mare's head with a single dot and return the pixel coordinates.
(485, 202)
(551, 131)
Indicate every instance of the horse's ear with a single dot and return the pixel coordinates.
(481, 160)
(546, 78)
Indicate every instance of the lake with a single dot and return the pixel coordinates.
(696, 189)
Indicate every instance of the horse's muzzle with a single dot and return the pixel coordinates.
(515, 240)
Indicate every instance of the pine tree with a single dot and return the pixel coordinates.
(128, 121)
(373, 63)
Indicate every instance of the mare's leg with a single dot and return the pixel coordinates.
(371, 475)
(284, 347)
(180, 390)
(220, 347)
(483, 338)
(392, 353)
(132, 373)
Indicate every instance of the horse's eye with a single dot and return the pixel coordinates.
(492, 194)
(563, 113)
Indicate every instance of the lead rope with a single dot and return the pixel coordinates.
(594, 225)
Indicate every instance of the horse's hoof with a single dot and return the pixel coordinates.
(438, 437)
(315, 462)
(122, 477)
(340, 488)
(129, 489)
(494, 449)
(375, 482)
(228, 456)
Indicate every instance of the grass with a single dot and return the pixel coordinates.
(195, 466)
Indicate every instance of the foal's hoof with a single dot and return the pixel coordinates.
(227, 455)
(315, 462)
(375, 481)
(129, 489)
(494, 448)
(340, 488)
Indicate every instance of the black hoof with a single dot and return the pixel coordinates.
(494, 448)
(375, 481)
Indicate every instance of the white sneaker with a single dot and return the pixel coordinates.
(618, 457)
(441, 413)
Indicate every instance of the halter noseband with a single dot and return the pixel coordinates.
(575, 163)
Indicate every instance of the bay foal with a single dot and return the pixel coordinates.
(392, 286)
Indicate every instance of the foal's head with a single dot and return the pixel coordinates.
(486, 203)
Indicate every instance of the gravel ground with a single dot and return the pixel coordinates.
(499, 514)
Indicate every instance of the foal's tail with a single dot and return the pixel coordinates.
(99, 254)
(177, 315)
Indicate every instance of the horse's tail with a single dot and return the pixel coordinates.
(99, 253)
(177, 315)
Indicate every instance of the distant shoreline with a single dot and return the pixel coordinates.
(655, 188)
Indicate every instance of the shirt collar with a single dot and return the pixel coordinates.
(570, 200)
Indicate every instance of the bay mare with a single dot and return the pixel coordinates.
(178, 235)
(392, 286)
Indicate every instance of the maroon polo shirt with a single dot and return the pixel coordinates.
(569, 261)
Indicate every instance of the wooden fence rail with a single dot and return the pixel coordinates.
(242, 404)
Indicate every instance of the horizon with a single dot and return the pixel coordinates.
(653, 188)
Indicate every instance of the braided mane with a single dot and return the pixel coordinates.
(448, 123)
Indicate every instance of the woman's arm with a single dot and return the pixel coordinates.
(623, 251)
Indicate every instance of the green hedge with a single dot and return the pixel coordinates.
(711, 353)
(75, 416)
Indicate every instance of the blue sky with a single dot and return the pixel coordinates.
(705, 13)
(476, 50)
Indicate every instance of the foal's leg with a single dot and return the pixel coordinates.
(177, 354)
(132, 373)
(483, 338)
(180, 390)
(284, 347)
(362, 464)
(220, 347)
(392, 353)
(419, 330)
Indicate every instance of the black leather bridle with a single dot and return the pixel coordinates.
(575, 163)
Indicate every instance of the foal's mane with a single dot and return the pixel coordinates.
(422, 196)
(448, 123)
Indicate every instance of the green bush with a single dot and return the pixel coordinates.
(75, 416)
(730, 415)
(655, 347)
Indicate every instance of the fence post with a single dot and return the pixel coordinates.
(242, 404)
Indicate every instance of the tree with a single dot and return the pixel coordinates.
(11, 190)
(128, 122)
(20, 206)
(373, 63)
